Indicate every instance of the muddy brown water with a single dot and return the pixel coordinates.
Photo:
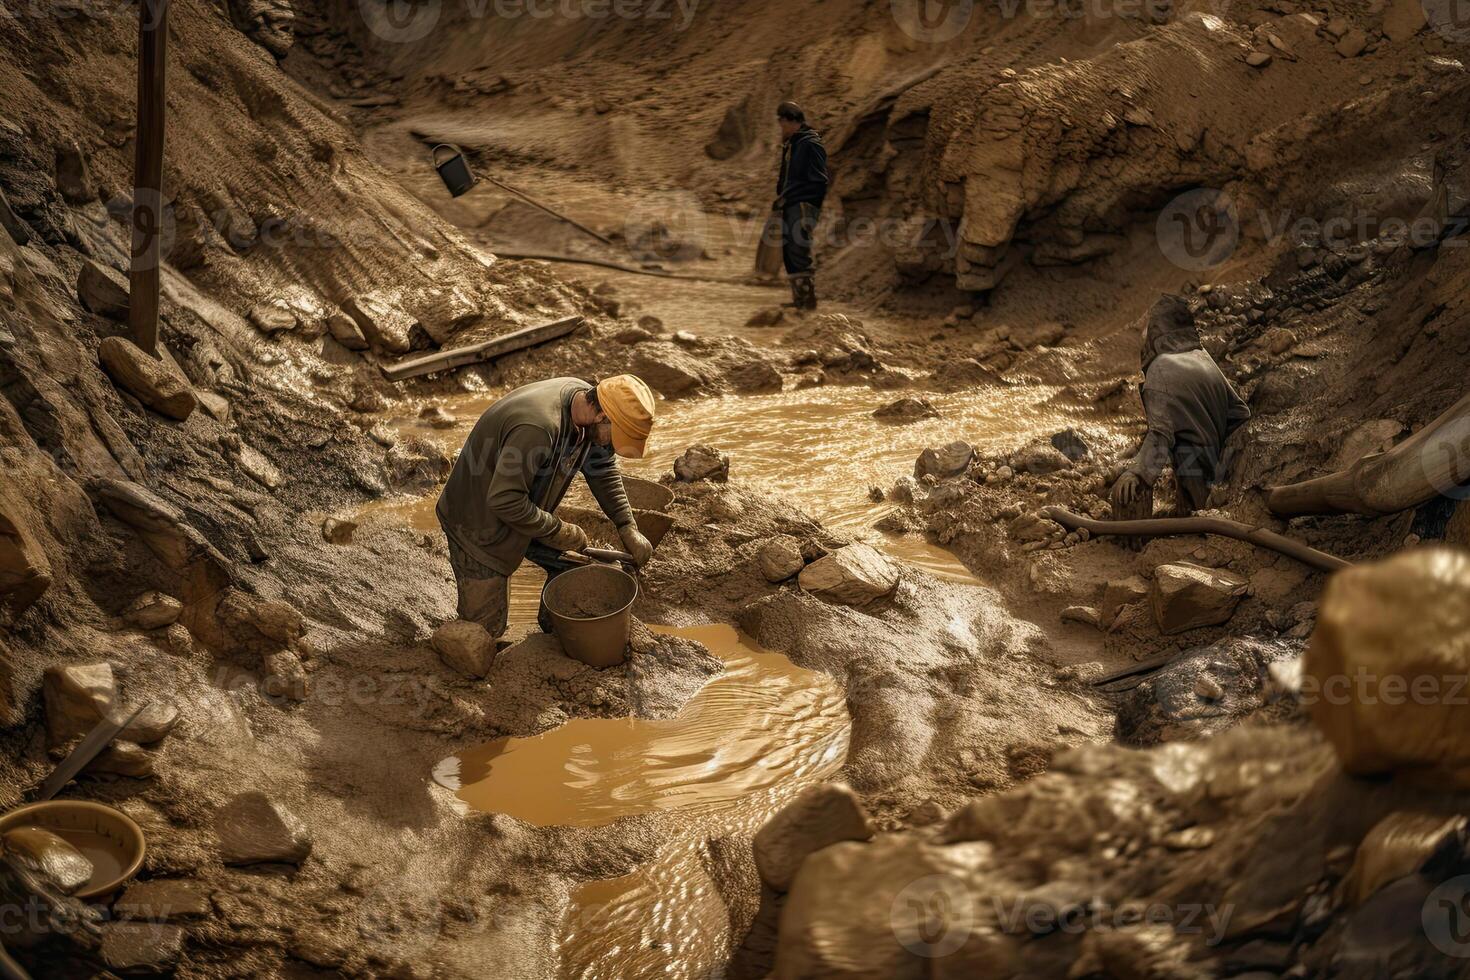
(751, 739)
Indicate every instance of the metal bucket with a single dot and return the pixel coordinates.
(590, 609)
(454, 170)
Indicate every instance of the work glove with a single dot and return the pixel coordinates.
(566, 537)
(636, 544)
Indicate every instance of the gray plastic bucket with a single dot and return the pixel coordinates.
(590, 609)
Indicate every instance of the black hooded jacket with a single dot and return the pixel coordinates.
(803, 178)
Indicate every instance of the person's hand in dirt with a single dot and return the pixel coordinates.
(637, 545)
(1132, 500)
(567, 537)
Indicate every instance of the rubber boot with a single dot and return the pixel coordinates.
(796, 299)
(809, 294)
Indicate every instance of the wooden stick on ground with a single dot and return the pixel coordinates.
(457, 357)
(143, 274)
(1160, 526)
(1433, 461)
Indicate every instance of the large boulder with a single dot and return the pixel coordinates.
(77, 696)
(103, 291)
(150, 380)
(467, 647)
(898, 907)
(822, 815)
(1186, 596)
(950, 460)
(854, 575)
(1384, 672)
(254, 829)
(702, 463)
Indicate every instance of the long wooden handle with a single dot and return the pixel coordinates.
(1164, 526)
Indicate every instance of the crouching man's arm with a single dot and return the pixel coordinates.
(605, 478)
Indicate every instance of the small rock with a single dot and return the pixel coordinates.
(780, 558)
(152, 610)
(1351, 44)
(633, 335)
(254, 465)
(854, 575)
(1086, 615)
(1003, 473)
(437, 417)
(1118, 593)
(142, 946)
(906, 410)
(1040, 459)
(346, 331)
(273, 317)
(76, 697)
(1070, 444)
(702, 463)
(103, 290)
(56, 857)
(821, 816)
(948, 460)
(153, 724)
(214, 405)
(383, 325)
(1208, 688)
(467, 647)
(123, 759)
(163, 899)
(153, 382)
(1258, 59)
(254, 829)
(1187, 596)
(73, 176)
(337, 531)
(771, 316)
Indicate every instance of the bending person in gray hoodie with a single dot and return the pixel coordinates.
(1192, 410)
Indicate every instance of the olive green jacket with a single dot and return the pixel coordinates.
(515, 468)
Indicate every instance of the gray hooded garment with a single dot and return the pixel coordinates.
(1191, 408)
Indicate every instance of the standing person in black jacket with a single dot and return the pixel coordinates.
(800, 190)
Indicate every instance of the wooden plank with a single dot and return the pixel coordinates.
(1142, 667)
(446, 360)
(143, 272)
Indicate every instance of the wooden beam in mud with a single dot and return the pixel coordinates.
(143, 272)
(446, 360)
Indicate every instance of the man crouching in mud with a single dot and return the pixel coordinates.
(801, 188)
(1192, 410)
(497, 507)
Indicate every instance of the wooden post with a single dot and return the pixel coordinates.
(143, 276)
